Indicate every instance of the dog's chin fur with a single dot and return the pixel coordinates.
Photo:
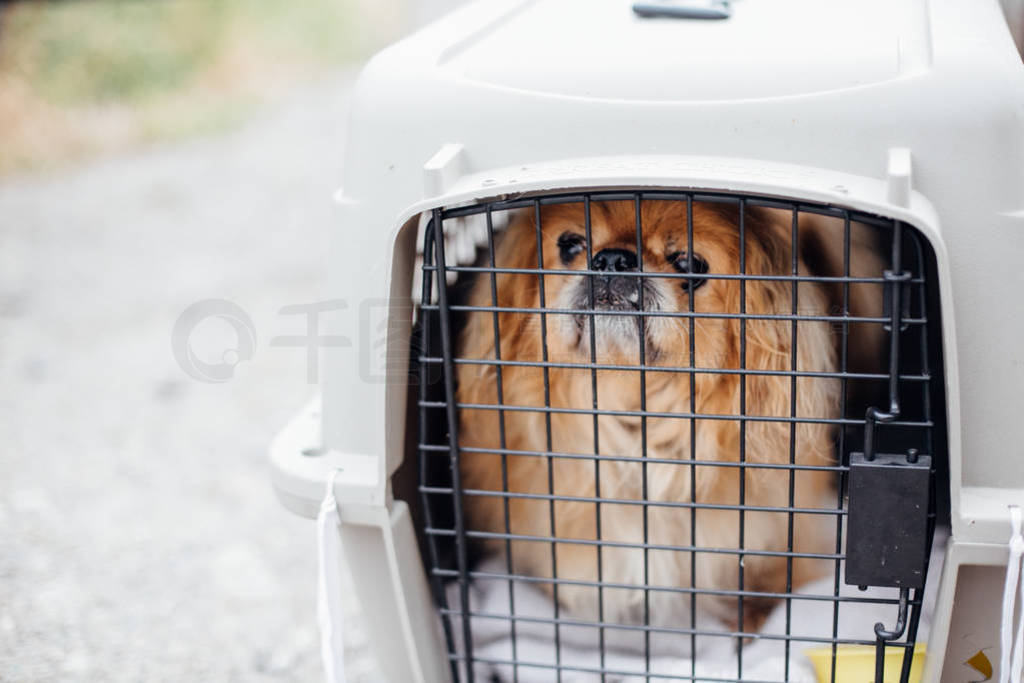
(614, 336)
(566, 338)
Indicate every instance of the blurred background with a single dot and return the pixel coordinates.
(153, 154)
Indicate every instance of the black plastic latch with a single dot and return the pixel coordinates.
(887, 522)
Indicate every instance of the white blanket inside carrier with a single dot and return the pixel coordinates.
(708, 657)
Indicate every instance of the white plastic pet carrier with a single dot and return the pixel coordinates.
(685, 343)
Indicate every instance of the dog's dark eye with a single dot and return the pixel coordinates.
(680, 260)
(569, 245)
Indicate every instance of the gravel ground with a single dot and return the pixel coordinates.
(139, 536)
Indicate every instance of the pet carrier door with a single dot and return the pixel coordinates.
(640, 415)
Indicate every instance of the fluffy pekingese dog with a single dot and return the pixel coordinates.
(689, 462)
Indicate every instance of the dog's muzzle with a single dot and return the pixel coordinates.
(616, 293)
(611, 291)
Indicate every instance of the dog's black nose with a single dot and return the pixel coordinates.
(615, 260)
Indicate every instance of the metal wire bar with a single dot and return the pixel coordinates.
(638, 546)
(924, 352)
(635, 501)
(439, 593)
(753, 200)
(547, 425)
(692, 344)
(698, 416)
(653, 274)
(896, 276)
(843, 359)
(642, 357)
(588, 236)
(501, 432)
(677, 314)
(916, 597)
(451, 573)
(794, 247)
(564, 621)
(447, 348)
(668, 368)
(631, 458)
(743, 428)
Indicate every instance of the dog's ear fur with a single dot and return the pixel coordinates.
(769, 345)
(822, 245)
(516, 248)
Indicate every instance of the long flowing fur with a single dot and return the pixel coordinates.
(689, 461)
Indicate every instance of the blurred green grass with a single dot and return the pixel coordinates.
(85, 77)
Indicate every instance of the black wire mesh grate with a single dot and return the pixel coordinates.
(900, 381)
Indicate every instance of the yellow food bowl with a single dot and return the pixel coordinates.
(856, 663)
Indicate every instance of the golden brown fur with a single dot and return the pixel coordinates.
(670, 476)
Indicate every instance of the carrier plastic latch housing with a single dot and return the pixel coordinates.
(887, 527)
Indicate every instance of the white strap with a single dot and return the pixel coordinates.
(1018, 649)
(1010, 588)
(328, 597)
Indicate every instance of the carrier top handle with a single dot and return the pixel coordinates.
(684, 9)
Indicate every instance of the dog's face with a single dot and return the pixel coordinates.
(617, 288)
